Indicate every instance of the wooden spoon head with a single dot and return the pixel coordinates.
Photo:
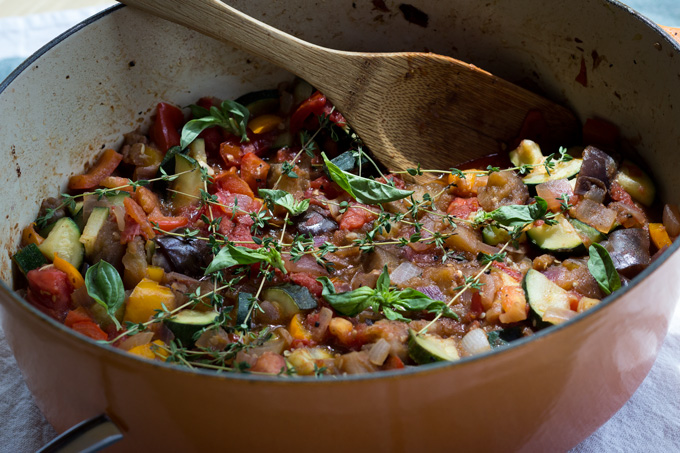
(427, 109)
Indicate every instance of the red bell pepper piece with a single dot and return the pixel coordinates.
(317, 104)
(164, 131)
(106, 164)
(167, 223)
(137, 214)
(49, 289)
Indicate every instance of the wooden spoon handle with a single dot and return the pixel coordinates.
(674, 32)
(222, 22)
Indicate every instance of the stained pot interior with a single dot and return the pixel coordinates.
(104, 79)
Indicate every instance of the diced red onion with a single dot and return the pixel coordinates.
(475, 342)
(305, 264)
(558, 315)
(433, 292)
(671, 219)
(551, 191)
(136, 340)
(379, 352)
(321, 326)
(119, 214)
(404, 272)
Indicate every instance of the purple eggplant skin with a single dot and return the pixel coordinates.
(184, 255)
(629, 250)
(315, 223)
(596, 174)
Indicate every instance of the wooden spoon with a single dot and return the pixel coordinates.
(409, 108)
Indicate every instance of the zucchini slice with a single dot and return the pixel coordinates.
(245, 301)
(64, 240)
(188, 185)
(187, 323)
(260, 102)
(588, 234)
(290, 298)
(29, 258)
(543, 294)
(95, 222)
(561, 237)
(426, 348)
(636, 182)
(493, 235)
(562, 170)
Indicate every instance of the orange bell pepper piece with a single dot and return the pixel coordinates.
(74, 276)
(659, 235)
(264, 123)
(147, 199)
(135, 211)
(116, 182)
(30, 236)
(233, 183)
(106, 164)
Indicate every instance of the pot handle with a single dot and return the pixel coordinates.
(88, 436)
(674, 32)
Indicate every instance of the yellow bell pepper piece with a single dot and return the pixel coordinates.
(155, 273)
(297, 329)
(147, 297)
(264, 123)
(659, 236)
(155, 349)
(74, 276)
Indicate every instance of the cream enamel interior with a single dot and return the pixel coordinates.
(104, 79)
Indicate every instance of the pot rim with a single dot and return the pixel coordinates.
(6, 292)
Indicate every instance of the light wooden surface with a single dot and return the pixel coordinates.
(25, 7)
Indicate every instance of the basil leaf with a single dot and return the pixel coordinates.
(519, 215)
(364, 190)
(383, 283)
(285, 200)
(198, 112)
(350, 303)
(104, 285)
(231, 116)
(393, 315)
(231, 255)
(602, 268)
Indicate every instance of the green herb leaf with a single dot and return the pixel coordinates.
(231, 116)
(350, 303)
(364, 190)
(519, 215)
(602, 268)
(286, 200)
(104, 285)
(232, 255)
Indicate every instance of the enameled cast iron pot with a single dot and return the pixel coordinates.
(101, 79)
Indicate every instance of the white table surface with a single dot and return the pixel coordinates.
(649, 422)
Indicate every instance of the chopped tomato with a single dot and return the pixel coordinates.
(356, 217)
(231, 182)
(308, 282)
(508, 270)
(241, 236)
(330, 188)
(254, 171)
(393, 362)
(396, 180)
(476, 307)
(236, 206)
(463, 207)
(164, 131)
(106, 164)
(76, 316)
(132, 230)
(90, 329)
(231, 154)
(49, 289)
(618, 193)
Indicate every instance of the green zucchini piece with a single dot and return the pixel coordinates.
(636, 182)
(426, 348)
(75, 208)
(185, 324)
(542, 294)
(561, 237)
(245, 301)
(588, 234)
(562, 170)
(493, 235)
(117, 199)
(29, 258)
(527, 153)
(64, 240)
(188, 185)
(95, 222)
(290, 298)
(301, 91)
(260, 102)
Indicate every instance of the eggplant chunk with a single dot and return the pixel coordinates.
(629, 250)
(184, 255)
(315, 223)
(597, 166)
